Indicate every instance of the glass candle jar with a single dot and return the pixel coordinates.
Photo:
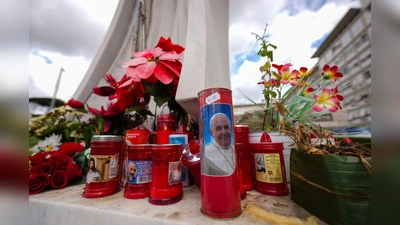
(220, 192)
(103, 176)
(166, 185)
(245, 160)
(140, 136)
(166, 122)
(239, 153)
(269, 167)
(138, 171)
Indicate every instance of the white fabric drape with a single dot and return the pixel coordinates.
(201, 26)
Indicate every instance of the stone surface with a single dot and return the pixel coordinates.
(67, 206)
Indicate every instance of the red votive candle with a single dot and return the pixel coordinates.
(103, 176)
(166, 122)
(270, 168)
(166, 185)
(239, 153)
(219, 178)
(246, 159)
(140, 136)
(138, 171)
(163, 136)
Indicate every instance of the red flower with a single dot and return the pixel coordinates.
(129, 93)
(44, 168)
(62, 160)
(59, 179)
(331, 73)
(70, 148)
(38, 183)
(161, 63)
(38, 158)
(166, 45)
(75, 104)
(74, 172)
(104, 91)
(112, 110)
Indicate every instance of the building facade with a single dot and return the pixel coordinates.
(349, 47)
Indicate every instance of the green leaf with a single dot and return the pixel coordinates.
(263, 52)
(158, 89)
(144, 112)
(251, 100)
(33, 140)
(270, 55)
(272, 93)
(160, 100)
(135, 108)
(273, 46)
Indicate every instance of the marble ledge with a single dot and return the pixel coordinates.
(67, 206)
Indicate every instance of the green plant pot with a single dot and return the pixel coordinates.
(336, 189)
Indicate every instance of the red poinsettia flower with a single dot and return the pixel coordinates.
(104, 91)
(113, 110)
(163, 65)
(107, 90)
(129, 93)
(75, 104)
(110, 79)
(167, 46)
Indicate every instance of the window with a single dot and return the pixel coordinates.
(353, 63)
(364, 38)
(346, 38)
(349, 51)
(367, 74)
(365, 55)
(328, 56)
(357, 80)
(336, 46)
(357, 26)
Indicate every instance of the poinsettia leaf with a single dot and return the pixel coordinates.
(145, 112)
(158, 89)
(160, 100)
(135, 108)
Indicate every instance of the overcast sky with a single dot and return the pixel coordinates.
(67, 33)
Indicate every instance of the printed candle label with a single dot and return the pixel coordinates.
(175, 172)
(268, 168)
(212, 98)
(138, 172)
(102, 168)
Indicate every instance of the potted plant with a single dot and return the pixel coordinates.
(329, 178)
